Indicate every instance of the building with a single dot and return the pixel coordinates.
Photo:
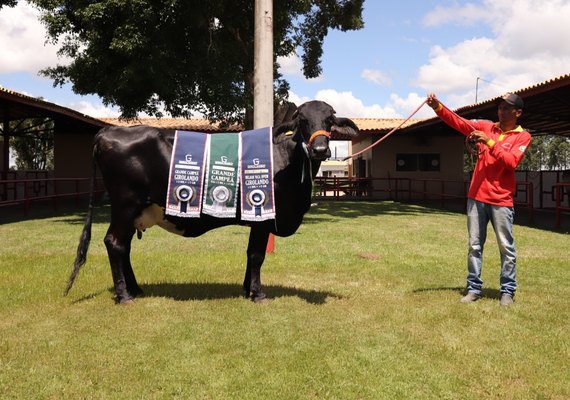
(423, 157)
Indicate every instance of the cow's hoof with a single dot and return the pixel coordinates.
(260, 298)
(125, 301)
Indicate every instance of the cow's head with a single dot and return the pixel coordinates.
(313, 123)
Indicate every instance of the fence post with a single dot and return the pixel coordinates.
(531, 202)
(26, 199)
(558, 192)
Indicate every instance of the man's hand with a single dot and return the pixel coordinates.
(432, 101)
(478, 136)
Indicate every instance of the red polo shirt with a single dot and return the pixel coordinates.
(493, 180)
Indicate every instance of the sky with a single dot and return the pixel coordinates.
(461, 50)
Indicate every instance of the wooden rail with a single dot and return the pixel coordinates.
(560, 194)
(26, 191)
(408, 189)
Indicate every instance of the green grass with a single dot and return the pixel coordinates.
(365, 306)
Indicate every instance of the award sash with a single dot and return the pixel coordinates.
(256, 161)
(186, 177)
(221, 187)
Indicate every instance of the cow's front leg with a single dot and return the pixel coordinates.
(118, 243)
(255, 256)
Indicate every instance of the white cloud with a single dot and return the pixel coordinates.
(95, 110)
(456, 68)
(535, 29)
(346, 104)
(23, 41)
(378, 77)
(466, 15)
(527, 46)
(298, 100)
(292, 66)
(410, 104)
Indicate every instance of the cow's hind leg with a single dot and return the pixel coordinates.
(132, 286)
(256, 249)
(118, 243)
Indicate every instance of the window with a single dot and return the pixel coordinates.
(417, 162)
(406, 162)
(428, 162)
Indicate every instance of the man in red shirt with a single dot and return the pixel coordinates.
(501, 146)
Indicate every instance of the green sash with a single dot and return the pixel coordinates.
(220, 193)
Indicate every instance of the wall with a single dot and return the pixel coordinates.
(72, 155)
(1, 155)
(72, 159)
(381, 163)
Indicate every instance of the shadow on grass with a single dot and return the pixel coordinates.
(214, 291)
(89, 297)
(66, 212)
(322, 211)
(74, 213)
(219, 291)
(487, 293)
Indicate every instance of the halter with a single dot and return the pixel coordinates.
(320, 132)
(306, 146)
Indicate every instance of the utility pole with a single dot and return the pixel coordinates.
(263, 73)
(263, 65)
(476, 89)
(5, 149)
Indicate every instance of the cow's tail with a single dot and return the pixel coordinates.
(85, 237)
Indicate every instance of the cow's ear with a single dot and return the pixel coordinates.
(285, 127)
(345, 126)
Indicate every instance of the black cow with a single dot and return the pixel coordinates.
(135, 165)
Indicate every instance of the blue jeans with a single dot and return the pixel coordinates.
(478, 216)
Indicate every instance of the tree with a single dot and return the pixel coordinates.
(535, 156)
(183, 55)
(546, 152)
(32, 142)
(8, 3)
(558, 153)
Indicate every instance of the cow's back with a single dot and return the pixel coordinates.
(134, 162)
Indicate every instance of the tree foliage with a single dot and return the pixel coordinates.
(546, 153)
(33, 144)
(183, 56)
(8, 3)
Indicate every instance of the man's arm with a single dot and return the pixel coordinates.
(512, 157)
(462, 125)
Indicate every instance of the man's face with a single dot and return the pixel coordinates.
(508, 112)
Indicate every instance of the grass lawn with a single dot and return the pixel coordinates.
(365, 306)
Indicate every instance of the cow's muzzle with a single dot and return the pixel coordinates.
(318, 145)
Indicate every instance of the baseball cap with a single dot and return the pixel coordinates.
(513, 100)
